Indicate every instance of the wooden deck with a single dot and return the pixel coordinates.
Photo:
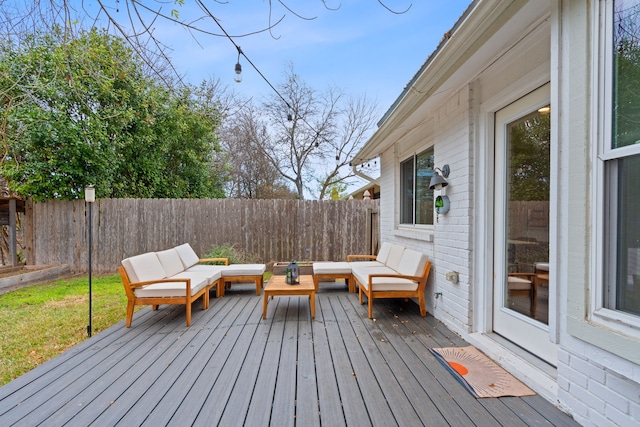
(233, 368)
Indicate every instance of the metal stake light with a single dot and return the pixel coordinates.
(90, 198)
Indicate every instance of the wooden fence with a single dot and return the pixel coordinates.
(55, 232)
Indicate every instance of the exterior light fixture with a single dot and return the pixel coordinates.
(439, 181)
(90, 198)
(238, 69)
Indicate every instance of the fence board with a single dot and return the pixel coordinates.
(268, 230)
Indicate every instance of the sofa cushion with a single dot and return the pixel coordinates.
(331, 268)
(412, 263)
(243, 270)
(126, 263)
(395, 256)
(366, 264)
(197, 276)
(171, 289)
(147, 267)
(187, 255)
(214, 271)
(383, 253)
(518, 283)
(391, 284)
(170, 261)
(361, 274)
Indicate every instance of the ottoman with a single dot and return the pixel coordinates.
(333, 270)
(243, 273)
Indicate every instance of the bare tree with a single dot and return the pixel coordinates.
(357, 119)
(313, 134)
(251, 174)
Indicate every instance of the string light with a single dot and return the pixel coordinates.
(239, 67)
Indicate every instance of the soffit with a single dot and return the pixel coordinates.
(482, 35)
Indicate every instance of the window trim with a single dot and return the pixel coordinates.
(615, 331)
(400, 226)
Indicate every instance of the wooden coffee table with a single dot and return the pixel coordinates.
(278, 287)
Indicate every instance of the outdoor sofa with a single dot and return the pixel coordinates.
(176, 276)
(396, 272)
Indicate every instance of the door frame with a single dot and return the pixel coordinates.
(484, 164)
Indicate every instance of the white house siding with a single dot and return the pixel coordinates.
(599, 383)
(597, 379)
(447, 128)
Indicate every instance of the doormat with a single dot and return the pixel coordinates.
(481, 376)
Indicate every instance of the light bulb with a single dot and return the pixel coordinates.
(238, 76)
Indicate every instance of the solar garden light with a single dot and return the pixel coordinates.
(90, 198)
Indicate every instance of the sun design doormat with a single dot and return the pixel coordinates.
(479, 374)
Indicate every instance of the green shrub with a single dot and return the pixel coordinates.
(235, 256)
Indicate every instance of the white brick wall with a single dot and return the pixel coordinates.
(595, 395)
(594, 386)
(448, 129)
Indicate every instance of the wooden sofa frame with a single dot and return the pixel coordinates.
(133, 300)
(406, 294)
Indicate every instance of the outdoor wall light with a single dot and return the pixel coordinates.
(439, 181)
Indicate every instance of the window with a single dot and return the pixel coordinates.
(621, 165)
(416, 199)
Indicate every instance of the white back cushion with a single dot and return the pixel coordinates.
(383, 253)
(188, 256)
(126, 263)
(395, 255)
(412, 263)
(170, 261)
(147, 267)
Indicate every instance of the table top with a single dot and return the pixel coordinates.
(278, 283)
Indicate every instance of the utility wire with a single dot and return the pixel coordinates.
(240, 52)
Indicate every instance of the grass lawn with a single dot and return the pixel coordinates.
(39, 322)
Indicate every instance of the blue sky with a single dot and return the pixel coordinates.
(361, 47)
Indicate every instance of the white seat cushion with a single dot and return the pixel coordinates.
(196, 276)
(391, 284)
(170, 289)
(366, 264)
(147, 267)
(170, 261)
(331, 268)
(187, 255)
(361, 274)
(243, 270)
(214, 271)
(518, 283)
(412, 263)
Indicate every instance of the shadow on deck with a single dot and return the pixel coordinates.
(233, 368)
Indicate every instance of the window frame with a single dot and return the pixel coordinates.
(605, 192)
(400, 203)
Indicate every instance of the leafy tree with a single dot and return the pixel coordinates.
(627, 75)
(530, 158)
(80, 110)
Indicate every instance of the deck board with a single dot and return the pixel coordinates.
(230, 368)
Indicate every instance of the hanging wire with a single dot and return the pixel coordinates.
(241, 52)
